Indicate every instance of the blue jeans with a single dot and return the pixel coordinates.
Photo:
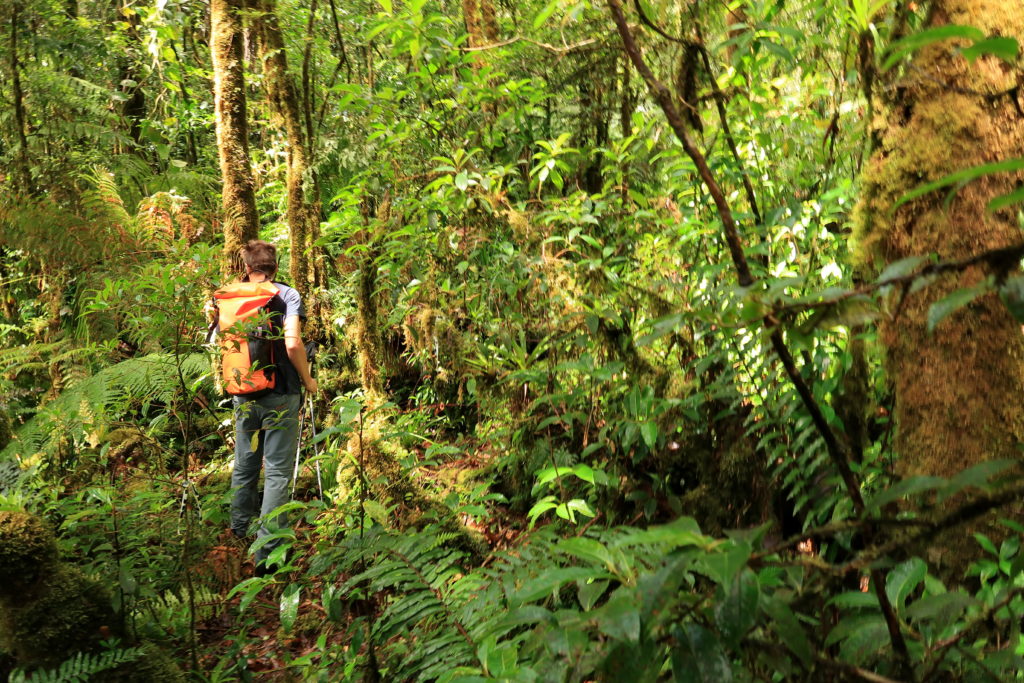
(272, 421)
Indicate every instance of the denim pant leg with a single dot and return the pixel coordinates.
(280, 439)
(246, 473)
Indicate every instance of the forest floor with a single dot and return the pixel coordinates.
(255, 633)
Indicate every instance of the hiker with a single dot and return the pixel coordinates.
(267, 420)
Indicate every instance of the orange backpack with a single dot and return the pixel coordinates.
(247, 354)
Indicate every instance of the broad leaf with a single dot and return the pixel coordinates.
(941, 309)
(902, 48)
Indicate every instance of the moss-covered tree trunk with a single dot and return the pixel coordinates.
(22, 172)
(958, 390)
(284, 103)
(241, 222)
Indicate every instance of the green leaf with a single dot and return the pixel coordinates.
(699, 656)
(388, 8)
(462, 180)
(855, 600)
(789, 630)
(620, 617)
(584, 472)
(540, 507)
(952, 303)
(661, 327)
(549, 580)
(905, 488)
(736, 613)
(942, 610)
(986, 544)
(1004, 48)
(901, 268)
(589, 592)
(545, 12)
(961, 177)
(1004, 200)
(1011, 293)
(649, 432)
(722, 566)
(376, 512)
(683, 531)
(976, 476)
(903, 579)
(290, 606)
(910, 44)
(588, 549)
(249, 589)
(569, 510)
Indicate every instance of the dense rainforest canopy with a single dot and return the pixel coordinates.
(656, 340)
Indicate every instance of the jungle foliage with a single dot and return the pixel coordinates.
(657, 340)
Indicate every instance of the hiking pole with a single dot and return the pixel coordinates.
(298, 450)
(311, 349)
(310, 357)
(316, 453)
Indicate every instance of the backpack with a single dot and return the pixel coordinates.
(247, 354)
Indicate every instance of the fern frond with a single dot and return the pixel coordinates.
(103, 398)
(80, 667)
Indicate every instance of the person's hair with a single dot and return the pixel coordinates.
(260, 256)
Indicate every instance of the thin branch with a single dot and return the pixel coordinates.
(657, 29)
(933, 528)
(564, 50)
(1002, 260)
(979, 620)
(719, 98)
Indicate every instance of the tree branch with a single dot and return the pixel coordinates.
(564, 50)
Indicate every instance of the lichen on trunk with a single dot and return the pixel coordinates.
(284, 103)
(241, 222)
(958, 388)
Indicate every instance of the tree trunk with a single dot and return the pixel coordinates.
(958, 389)
(23, 172)
(285, 104)
(241, 222)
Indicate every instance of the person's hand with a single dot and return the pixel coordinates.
(311, 385)
(210, 309)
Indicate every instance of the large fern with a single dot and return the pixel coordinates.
(93, 404)
(81, 667)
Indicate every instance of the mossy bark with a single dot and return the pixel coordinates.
(22, 172)
(957, 389)
(284, 103)
(241, 221)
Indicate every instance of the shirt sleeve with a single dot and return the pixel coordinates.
(293, 304)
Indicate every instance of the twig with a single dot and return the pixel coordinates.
(1002, 260)
(564, 50)
(954, 640)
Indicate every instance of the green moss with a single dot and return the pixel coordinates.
(49, 610)
(67, 612)
(28, 551)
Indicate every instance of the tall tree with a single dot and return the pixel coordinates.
(23, 174)
(957, 389)
(241, 222)
(284, 101)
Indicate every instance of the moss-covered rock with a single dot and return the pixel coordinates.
(50, 610)
(65, 612)
(28, 552)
